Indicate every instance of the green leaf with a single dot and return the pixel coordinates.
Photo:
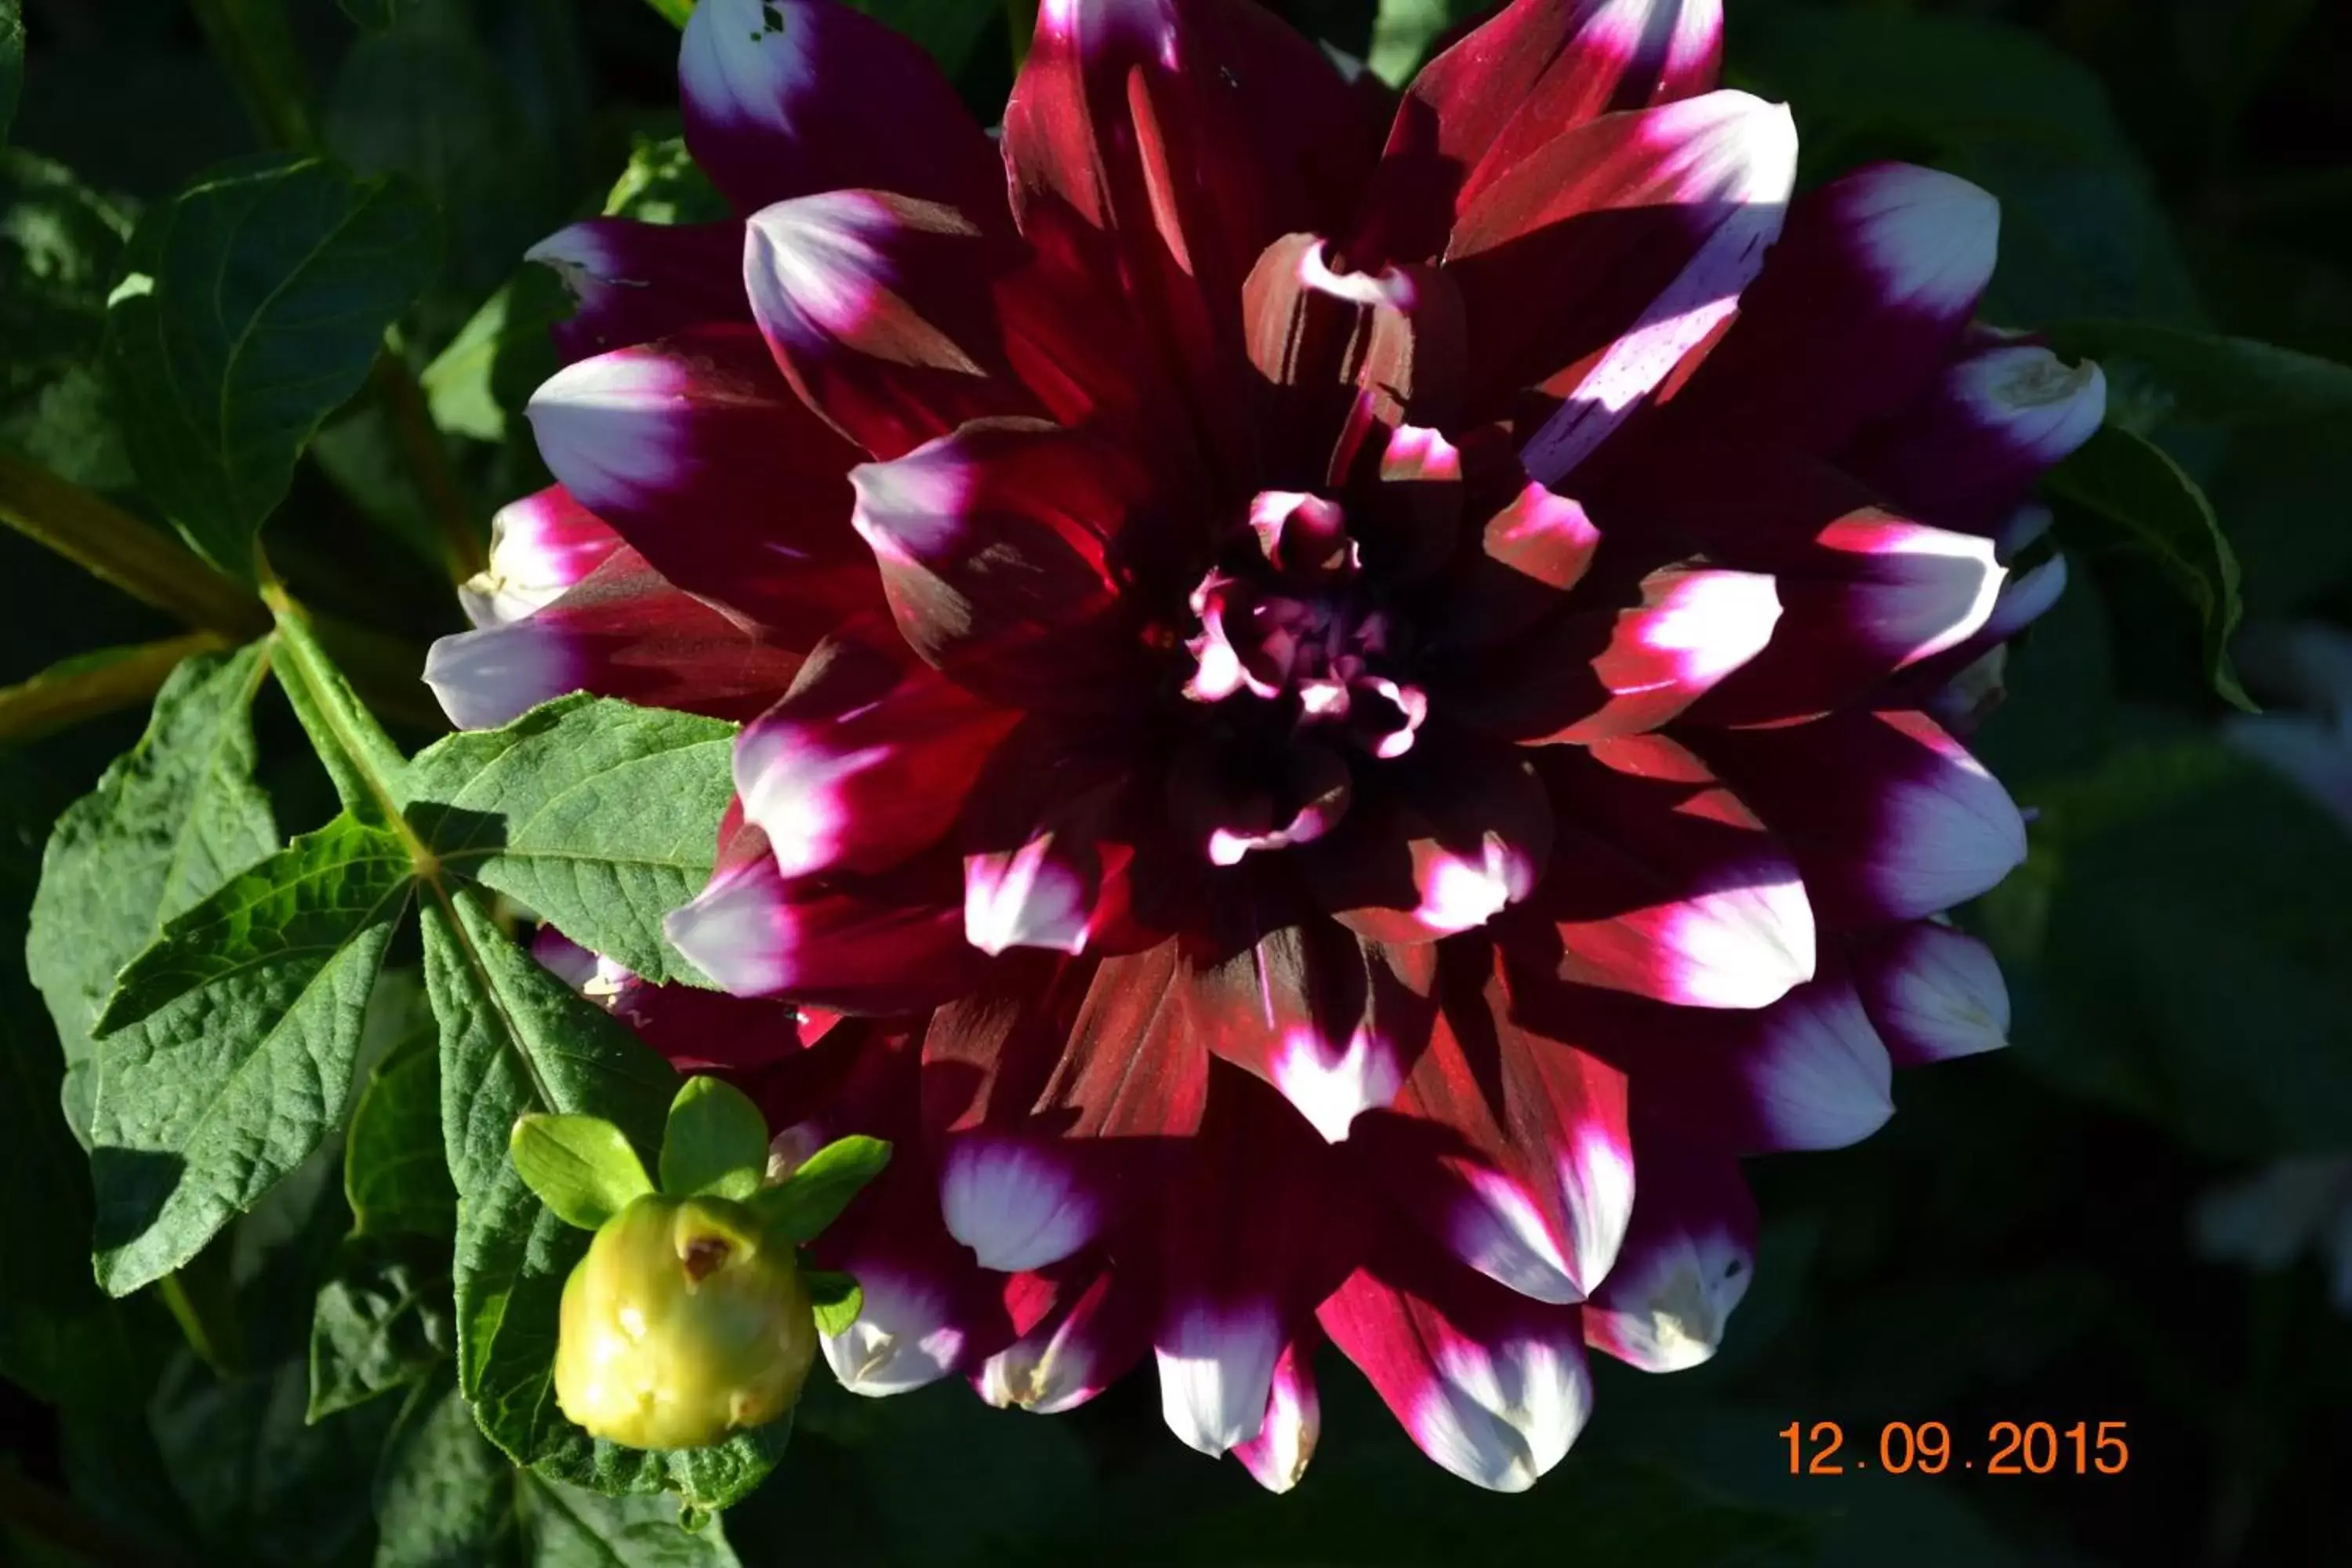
(60, 247)
(393, 1175)
(383, 1320)
(482, 379)
(663, 184)
(673, 12)
(444, 1496)
(570, 1527)
(1404, 31)
(2213, 379)
(257, 302)
(581, 1166)
(814, 1195)
(2125, 497)
(12, 61)
(229, 1045)
(948, 29)
(715, 1142)
(598, 815)
(170, 821)
(837, 1297)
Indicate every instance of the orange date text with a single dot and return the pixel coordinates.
(1927, 1447)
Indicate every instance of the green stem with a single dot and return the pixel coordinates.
(94, 685)
(116, 547)
(256, 46)
(412, 422)
(369, 770)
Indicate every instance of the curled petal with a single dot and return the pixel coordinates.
(1530, 554)
(1990, 424)
(1098, 1328)
(1888, 817)
(632, 282)
(1490, 1384)
(1446, 850)
(623, 631)
(1687, 1262)
(783, 98)
(539, 546)
(1277, 1457)
(1934, 992)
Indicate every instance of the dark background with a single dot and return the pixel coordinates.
(2017, 1246)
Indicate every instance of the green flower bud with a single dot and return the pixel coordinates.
(682, 1326)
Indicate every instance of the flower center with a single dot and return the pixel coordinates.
(1292, 623)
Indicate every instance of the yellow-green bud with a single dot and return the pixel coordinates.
(682, 1326)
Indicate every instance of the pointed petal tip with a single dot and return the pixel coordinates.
(730, 929)
(484, 679)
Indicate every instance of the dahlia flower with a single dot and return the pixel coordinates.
(1350, 697)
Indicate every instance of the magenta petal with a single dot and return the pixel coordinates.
(1535, 69)
(539, 546)
(622, 631)
(1889, 817)
(1276, 1459)
(1663, 884)
(632, 282)
(1595, 264)
(1873, 277)
(1933, 992)
(783, 98)
(699, 455)
(1975, 440)
(1491, 1386)
(1686, 1263)
(996, 547)
(1099, 1328)
(866, 759)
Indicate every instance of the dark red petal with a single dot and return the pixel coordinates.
(1597, 263)
(1049, 841)
(1589, 675)
(1188, 135)
(1537, 68)
(622, 631)
(1530, 554)
(1510, 1150)
(699, 455)
(1888, 817)
(1934, 992)
(1662, 884)
(999, 548)
(1687, 1260)
(871, 945)
(706, 1031)
(1463, 832)
(866, 759)
(1806, 1072)
(632, 282)
(1254, 1230)
(1330, 1019)
(784, 97)
(539, 546)
(880, 309)
(1872, 279)
(1490, 1384)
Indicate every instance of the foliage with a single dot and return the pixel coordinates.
(295, 1132)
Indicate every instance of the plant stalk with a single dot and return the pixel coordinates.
(118, 548)
(94, 685)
